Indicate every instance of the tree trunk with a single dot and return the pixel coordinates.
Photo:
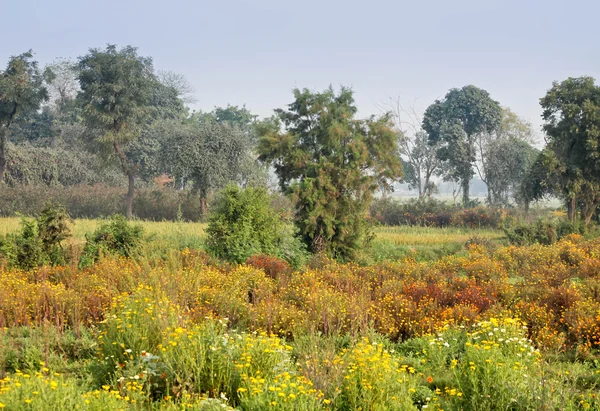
(130, 173)
(589, 209)
(2, 156)
(130, 192)
(571, 209)
(465, 187)
(203, 206)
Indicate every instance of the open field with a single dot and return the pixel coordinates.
(193, 233)
(484, 329)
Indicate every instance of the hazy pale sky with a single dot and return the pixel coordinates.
(254, 52)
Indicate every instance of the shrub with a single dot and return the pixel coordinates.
(40, 240)
(117, 237)
(544, 231)
(243, 224)
(24, 250)
(53, 229)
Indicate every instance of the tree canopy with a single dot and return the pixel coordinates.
(572, 125)
(454, 123)
(116, 87)
(331, 163)
(22, 89)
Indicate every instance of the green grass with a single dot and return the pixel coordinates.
(432, 236)
(390, 243)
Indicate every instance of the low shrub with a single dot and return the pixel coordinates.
(117, 237)
(243, 224)
(40, 240)
(544, 231)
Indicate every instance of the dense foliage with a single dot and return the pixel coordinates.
(466, 332)
(331, 163)
(243, 224)
(454, 124)
(116, 237)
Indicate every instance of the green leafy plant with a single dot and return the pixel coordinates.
(542, 231)
(40, 240)
(243, 224)
(117, 237)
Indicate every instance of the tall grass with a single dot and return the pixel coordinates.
(168, 234)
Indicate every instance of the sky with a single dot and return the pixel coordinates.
(254, 52)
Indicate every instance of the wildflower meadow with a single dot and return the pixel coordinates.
(506, 327)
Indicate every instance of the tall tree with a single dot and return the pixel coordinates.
(21, 90)
(64, 86)
(572, 125)
(507, 161)
(209, 154)
(116, 87)
(504, 155)
(419, 158)
(331, 163)
(454, 123)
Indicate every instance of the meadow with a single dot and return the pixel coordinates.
(389, 242)
(480, 326)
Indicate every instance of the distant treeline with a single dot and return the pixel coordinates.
(107, 133)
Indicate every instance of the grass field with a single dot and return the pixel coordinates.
(193, 233)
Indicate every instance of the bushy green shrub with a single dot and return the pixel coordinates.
(542, 231)
(53, 229)
(243, 224)
(116, 237)
(39, 241)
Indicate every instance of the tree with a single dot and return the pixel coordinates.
(21, 90)
(547, 177)
(504, 155)
(116, 87)
(210, 155)
(572, 125)
(178, 82)
(507, 161)
(166, 110)
(454, 123)
(332, 164)
(419, 159)
(64, 86)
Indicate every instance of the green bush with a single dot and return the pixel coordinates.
(40, 240)
(244, 224)
(53, 229)
(117, 237)
(542, 231)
